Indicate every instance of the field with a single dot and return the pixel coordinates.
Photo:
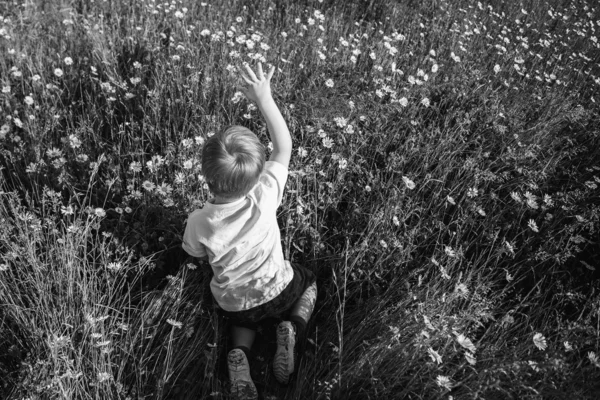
(444, 188)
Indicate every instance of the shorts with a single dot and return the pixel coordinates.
(277, 307)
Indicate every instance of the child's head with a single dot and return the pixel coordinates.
(232, 161)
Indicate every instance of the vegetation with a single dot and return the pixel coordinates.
(444, 189)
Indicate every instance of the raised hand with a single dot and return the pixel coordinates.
(259, 88)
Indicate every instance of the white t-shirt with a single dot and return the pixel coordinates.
(243, 243)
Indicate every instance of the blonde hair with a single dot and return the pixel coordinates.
(232, 161)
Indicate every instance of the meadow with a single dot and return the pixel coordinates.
(444, 188)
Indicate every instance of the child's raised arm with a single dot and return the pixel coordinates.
(260, 92)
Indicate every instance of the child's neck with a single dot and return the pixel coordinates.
(225, 200)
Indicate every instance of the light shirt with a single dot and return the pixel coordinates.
(243, 243)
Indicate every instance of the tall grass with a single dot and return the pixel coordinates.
(444, 189)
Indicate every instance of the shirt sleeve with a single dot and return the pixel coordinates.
(273, 179)
(191, 243)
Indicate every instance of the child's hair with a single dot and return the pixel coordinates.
(232, 161)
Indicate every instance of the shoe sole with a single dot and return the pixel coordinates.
(241, 389)
(283, 363)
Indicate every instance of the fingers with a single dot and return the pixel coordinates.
(270, 73)
(261, 74)
(244, 77)
(251, 73)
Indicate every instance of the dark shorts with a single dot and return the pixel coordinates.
(278, 307)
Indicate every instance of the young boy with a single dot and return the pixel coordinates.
(237, 232)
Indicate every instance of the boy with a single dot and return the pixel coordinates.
(237, 232)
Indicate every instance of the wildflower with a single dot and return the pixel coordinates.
(327, 142)
(188, 164)
(593, 358)
(395, 221)
(5, 89)
(449, 251)
(164, 189)
(403, 102)
(567, 345)
(114, 266)
(425, 102)
(99, 211)
(58, 72)
(465, 342)
(343, 163)
(119, 210)
(539, 341)
(444, 381)
(470, 358)
(53, 153)
(302, 152)
(435, 356)
(434, 68)
(18, 122)
(68, 210)
(4, 130)
(174, 323)
(515, 196)
(74, 141)
(472, 192)
(68, 61)
(443, 271)
(531, 200)
(372, 55)
(104, 376)
(340, 121)
(329, 83)
(192, 266)
(462, 290)
(28, 100)
(533, 365)
(532, 225)
(176, 58)
(135, 166)
(178, 14)
(409, 183)
(349, 129)
(148, 186)
(450, 200)
(128, 210)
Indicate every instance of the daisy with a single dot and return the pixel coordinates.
(148, 186)
(539, 341)
(409, 183)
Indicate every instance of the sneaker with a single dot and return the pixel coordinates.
(242, 387)
(283, 363)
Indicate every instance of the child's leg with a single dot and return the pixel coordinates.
(283, 363)
(243, 338)
(242, 387)
(303, 308)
